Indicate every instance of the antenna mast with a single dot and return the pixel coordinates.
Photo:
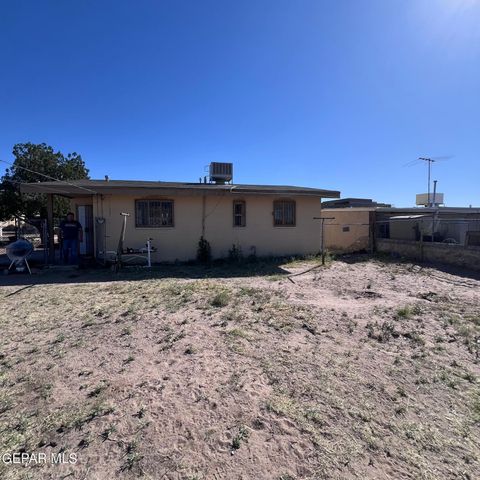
(429, 161)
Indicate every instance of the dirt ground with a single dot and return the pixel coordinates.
(362, 369)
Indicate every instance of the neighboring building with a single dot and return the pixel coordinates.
(348, 230)
(442, 224)
(348, 226)
(260, 219)
(353, 203)
(353, 229)
(350, 203)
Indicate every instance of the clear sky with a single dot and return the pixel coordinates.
(333, 94)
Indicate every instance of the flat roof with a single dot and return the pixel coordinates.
(428, 210)
(74, 188)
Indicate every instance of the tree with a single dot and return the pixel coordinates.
(30, 161)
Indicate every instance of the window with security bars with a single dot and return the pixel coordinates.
(284, 213)
(154, 213)
(239, 213)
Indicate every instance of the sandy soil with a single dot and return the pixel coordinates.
(358, 370)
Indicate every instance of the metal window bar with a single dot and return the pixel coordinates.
(154, 213)
(284, 213)
(239, 217)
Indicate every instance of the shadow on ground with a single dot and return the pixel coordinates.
(261, 267)
(133, 273)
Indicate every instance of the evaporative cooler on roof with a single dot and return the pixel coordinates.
(221, 172)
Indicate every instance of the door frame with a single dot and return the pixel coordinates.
(85, 217)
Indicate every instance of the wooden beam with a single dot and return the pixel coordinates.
(50, 231)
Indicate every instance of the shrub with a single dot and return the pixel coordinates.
(204, 251)
(220, 299)
(235, 254)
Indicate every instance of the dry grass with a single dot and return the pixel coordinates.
(356, 370)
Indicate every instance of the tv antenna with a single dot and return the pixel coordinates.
(429, 161)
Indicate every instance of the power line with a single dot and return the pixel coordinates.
(49, 177)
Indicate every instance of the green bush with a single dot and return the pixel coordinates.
(204, 251)
(235, 254)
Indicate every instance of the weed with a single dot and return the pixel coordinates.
(401, 392)
(401, 409)
(238, 333)
(404, 312)
(241, 436)
(59, 338)
(88, 323)
(129, 359)
(309, 328)
(170, 339)
(382, 333)
(98, 390)
(220, 299)
(314, 416)
(475, 407)
(140, 413)
(108, 431)
(6, 403)
(45, 390)
(469, 377)
(132, 457)
(414, 336)
(126, 331)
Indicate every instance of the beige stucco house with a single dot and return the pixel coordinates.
(260, 219)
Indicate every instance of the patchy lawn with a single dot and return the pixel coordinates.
(363, 370)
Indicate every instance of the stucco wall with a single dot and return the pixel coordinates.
(451, 254)
(180, 241)
(348, 231)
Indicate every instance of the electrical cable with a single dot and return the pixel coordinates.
(49, 177)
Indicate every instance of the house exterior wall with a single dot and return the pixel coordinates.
(180, 242)
(348, 230)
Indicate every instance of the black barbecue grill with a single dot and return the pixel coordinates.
(18, 252)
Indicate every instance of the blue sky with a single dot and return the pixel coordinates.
(331, 94)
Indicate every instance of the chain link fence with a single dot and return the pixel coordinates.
(33, 230)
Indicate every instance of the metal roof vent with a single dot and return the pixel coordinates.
(221, 172)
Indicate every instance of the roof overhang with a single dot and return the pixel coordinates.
(97, 187)
(408, 217)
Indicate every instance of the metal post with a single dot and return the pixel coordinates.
(50, 231)
(429, 164)
(149, 250)
(121, 240)
(45, 241)
(322, 243)
(433, 205)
